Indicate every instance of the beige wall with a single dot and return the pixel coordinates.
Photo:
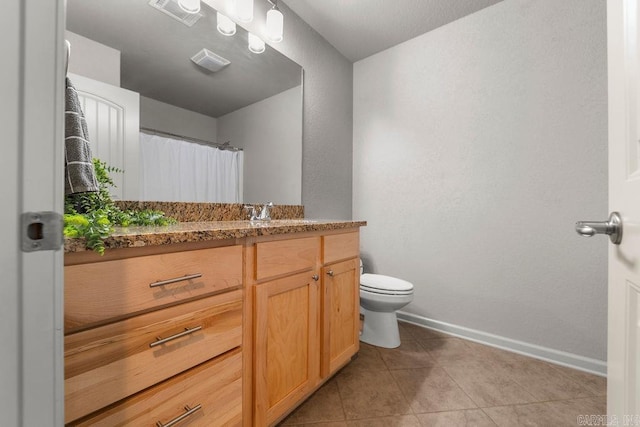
(476, 148)
(270, 132)
(178, 121)
(94, 60)
(327, 159)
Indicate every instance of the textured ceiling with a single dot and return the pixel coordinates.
(359, 28)
(156, 51)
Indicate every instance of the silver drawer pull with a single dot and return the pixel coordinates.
(330, 273)
(177, 279)
(187, 331)
(176, 420)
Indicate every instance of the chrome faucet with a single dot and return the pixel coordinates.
(263, 214)
(252, 212)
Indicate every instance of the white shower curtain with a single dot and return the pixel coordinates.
(172, 170)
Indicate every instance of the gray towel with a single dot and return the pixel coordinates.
(78, 165)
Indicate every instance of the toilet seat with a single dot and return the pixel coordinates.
(385, 285)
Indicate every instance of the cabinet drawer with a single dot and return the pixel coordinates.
(103, 290)
(286, 256)
(337, 247)
(216, 386)
(109, 363)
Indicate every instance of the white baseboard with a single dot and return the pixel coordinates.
(593, 366)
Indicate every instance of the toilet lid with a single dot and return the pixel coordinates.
(379, 283)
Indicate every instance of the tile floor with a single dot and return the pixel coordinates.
(434, 379)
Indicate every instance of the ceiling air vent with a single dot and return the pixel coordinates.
(209, 60)
(171, 8)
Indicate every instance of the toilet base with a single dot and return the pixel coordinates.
(380, 329)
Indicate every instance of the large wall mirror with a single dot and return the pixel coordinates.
(254, 103)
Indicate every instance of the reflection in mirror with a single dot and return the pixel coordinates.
(254, 103)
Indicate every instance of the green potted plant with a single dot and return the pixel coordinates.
(93, 216)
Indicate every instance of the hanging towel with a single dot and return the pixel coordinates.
(79, 174)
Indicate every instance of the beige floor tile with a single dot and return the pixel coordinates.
(444, 380)
(329, 424)
(405, 334)
(541, 379)
(410, 354)
(431, 390)
(533, 415)
(499, 356)
(544, 382)
(397, 421)
(467, 418)
(557, 413)
(370, 394)
(368, 359)
(596, 385)
(420, 333)
(446, 351)
(487, 385)
(323, 405)
(570, 410)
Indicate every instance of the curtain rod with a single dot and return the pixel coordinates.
(223, 146)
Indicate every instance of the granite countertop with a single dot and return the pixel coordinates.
(133, 237)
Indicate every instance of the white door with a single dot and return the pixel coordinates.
(623, 359)
(113, 122)
(10, 215)
(31, 179)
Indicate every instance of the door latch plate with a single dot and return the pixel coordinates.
(41, 231)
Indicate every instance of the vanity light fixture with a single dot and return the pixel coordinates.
(225, 25)
(230, 7)
(256, 44)
(244, 10)
(189, 6)
(275, 23)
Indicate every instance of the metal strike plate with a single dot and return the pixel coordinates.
(41, 231)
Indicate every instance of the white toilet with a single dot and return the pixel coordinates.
(380, 297)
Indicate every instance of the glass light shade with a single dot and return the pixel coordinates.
(275, 25)
(230, 7)
(225, 25)
(256, 44)
(244, 10)
(189, 6)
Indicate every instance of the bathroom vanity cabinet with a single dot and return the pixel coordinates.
(219, 332)
(154, 323)
(286, 291)
(306, 316)
(341, 300)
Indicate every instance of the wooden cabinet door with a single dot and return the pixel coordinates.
(287, 345)
(340, 314)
